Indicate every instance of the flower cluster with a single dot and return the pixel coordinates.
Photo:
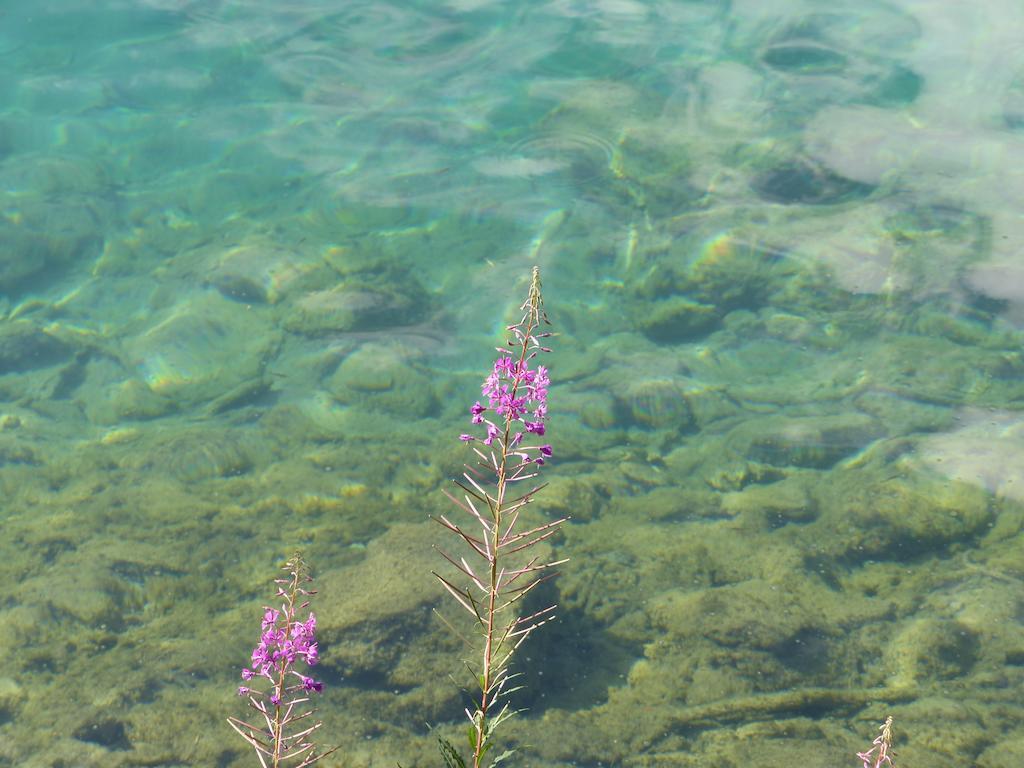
(280, 645)
(515, 393)
(881, 751)
(285, 726)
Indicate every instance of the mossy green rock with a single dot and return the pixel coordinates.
(895, 515)
(755, 613)
(354, 306)
(805, 441)
(928, 649)
(676, 319)
(24, 346)
(773, 505)
(1008, 753)
(379, 378)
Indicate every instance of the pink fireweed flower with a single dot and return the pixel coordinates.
(284, 640)
(283, 727)
(515, 393)
(511, 414)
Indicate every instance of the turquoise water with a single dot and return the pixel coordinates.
(254, 259)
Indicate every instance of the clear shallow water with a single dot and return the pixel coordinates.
(255, 257)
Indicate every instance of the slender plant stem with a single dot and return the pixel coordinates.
(487, 672)
(516, 397)
(282, 671)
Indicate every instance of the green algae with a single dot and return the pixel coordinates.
(793, 509)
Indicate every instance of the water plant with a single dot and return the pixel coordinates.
(500, 564)
(285, 738)
(881, 752)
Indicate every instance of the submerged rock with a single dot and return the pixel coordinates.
(201, 348)
(379, 377)
(677, 319)
(257, 273)
(655, 403)
(41, 238)
(811, 441)
(930, 649)
(352, 306)
(25, 347)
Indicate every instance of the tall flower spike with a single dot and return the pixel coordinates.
(534, 303)
(500, 567)
(285, 736)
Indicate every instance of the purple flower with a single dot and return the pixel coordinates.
(309, 684)
(516, 390)
(492, 432)
(285, 640)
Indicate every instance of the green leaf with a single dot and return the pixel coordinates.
(507, 753)
(450, 755)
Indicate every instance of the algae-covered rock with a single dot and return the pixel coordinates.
(379, 377)
(1007, 753)
(11, 696)
(709, 404)
(194, 454)
(257, 272)
(43, 237)
(594, 408)
(754, 614)
(379, 623)
(676, 319)
(931, 649)
(807, 441)
(201, 347)
(904, 415)
(570, 497)
(937, 370)
(356, 306)
(84, 591)
(655, 402)
(773, 505)
(25, 346)
(129, 400)
(944, 729)
(873, 513)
